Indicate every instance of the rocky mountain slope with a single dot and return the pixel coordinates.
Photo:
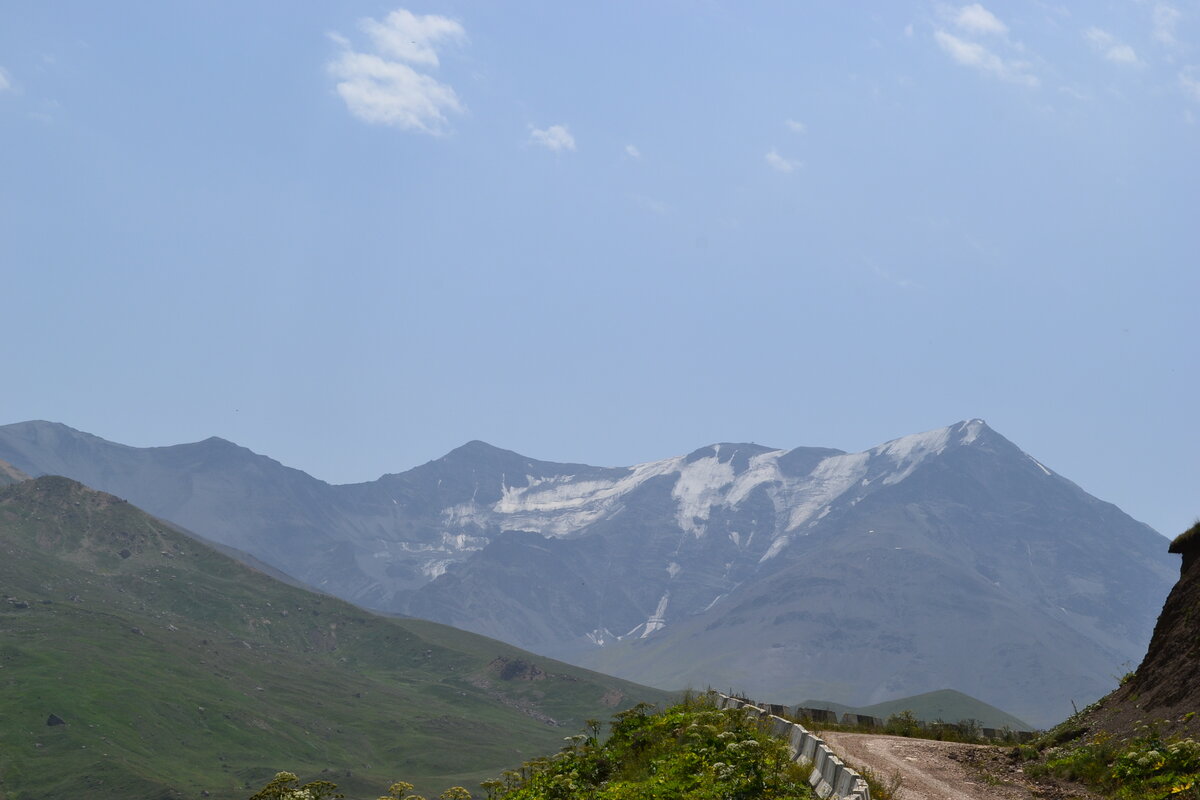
(137, 662)
(10, 474)
(1166, 686)
(948, 559)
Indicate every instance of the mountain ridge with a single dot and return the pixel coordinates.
(610, 566)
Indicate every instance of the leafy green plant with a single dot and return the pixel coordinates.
(1147, 767)
(903, 724)
(882, 788)
(286, 786)
(691, 750)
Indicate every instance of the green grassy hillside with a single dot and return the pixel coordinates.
(945, 705)
(178, 670)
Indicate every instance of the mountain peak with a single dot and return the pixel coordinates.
(476, 446)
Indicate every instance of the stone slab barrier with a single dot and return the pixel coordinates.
(830, 777)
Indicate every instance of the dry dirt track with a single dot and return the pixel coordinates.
(925, 766)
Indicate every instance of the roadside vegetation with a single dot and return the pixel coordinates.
(1148, 766)
(691, 750)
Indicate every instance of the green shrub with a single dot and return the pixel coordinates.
(1146, 768)
(691, 750)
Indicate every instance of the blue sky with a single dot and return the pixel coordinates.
(353, 236)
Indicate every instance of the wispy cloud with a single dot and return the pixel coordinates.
(888, 277)
(650, 204)
(632, 151)
(5, 81)
(975, 55)
(555, 138)
(778, 162)
(1189, 81)
(1165, 17)
(977, 19)
(796, 127)
(1110, 47)
(379, 87)
(408, 37)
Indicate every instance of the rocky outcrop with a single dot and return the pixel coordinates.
(1165, 689)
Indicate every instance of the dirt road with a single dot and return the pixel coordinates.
(927, 768)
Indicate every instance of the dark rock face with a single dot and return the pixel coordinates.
(1166, 686)
(944, 559)
(1187, 544)
(55, 719)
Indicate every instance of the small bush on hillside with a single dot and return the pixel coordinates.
(286, 786)
(692, 750)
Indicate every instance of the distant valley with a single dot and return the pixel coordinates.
(948, 559)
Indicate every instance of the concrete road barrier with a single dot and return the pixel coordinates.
(830, 778)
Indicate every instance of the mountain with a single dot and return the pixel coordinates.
(138, 662)
(944, 559)
(10, 474)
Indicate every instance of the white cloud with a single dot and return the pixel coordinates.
(632, 151)
(908, 30)
(976, 56)
(1189, 80)
(1165, 19)
(780, 163)
(5, 81)
(556, 138)
(1110, 47)
(796, 127)
(407, 37)
(977, 19)
(378, 88)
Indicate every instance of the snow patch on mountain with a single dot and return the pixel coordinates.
(698, 489)
(831, 478)
(561, 505)
(558, 505)
(764, 468)
(909, 451)
(1040, 465)
(776, 548)
(971, 430)
(658, 620)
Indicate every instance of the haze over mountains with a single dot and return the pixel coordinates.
(948, 559)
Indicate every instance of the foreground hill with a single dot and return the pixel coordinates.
(944, 559)
(137, 662)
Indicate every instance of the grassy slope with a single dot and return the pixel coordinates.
(946, 705)
(179, 670)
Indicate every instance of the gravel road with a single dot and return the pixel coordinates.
(926, 767)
